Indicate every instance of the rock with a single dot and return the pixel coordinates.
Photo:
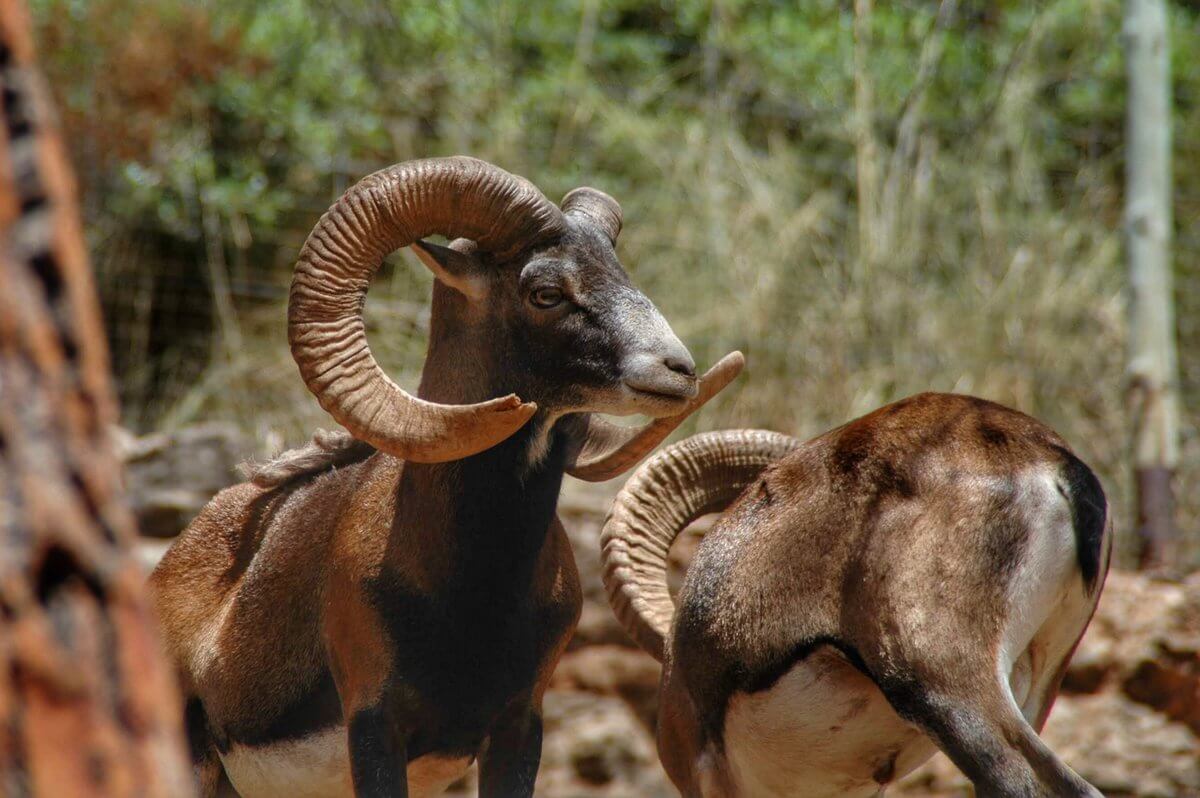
(624, 673)
(599, 627)
(596, 746)
(148, 551)
(171, 475)
(1145, 641)
(1170, 684)
(582, 508)
(1125, 748)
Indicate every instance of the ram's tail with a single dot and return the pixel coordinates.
(702, 474)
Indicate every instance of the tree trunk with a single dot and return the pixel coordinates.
(1153, 369)
(88, 706)
(866, 146)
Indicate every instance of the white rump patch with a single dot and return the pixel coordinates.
(1048, 606)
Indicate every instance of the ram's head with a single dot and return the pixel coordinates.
(529, 300)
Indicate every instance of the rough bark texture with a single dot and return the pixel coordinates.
(1153, 365)
(87, 705)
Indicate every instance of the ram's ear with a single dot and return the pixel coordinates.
(457, 265)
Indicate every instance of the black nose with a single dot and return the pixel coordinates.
(681, 365)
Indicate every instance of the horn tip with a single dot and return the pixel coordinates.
(513, 409)
(519, 414)
(728, 367)
(505, 404)
(734, 360)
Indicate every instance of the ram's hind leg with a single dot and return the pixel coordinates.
(975, 676)
(206, 763)
(1048, 604)
(1037, 673)
(980, 727)
(955, 681)
(979, 669)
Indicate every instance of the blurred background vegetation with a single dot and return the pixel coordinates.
(209, 137)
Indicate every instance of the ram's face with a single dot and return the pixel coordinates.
(569, 330)
(590, 339)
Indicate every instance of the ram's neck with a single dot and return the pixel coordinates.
(487, 514)
(483, 518)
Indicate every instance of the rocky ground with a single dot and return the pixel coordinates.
(1128, 719)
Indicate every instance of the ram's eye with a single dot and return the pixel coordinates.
(546, 297)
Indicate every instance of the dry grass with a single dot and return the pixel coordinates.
(988, 282)
(1028, 314)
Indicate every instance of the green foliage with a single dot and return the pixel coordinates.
(211, 136)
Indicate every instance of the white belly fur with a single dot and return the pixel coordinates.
(318, 766)
(823, 729)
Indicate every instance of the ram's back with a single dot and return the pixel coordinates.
(239, 593)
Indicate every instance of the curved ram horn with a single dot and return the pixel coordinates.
(390, 209)
(599, 209)
(701, 474)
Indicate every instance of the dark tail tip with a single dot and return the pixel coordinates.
(1089, 513)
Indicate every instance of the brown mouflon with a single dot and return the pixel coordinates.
(916, 579)
(372, 612)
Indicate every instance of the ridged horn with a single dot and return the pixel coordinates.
(701, 474)
(601, 210)
(392, 208)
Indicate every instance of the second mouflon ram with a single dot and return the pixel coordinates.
(916, 579)
(371, 613)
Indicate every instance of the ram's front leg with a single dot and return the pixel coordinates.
(378, 763)
(378, 723)
(508, 765)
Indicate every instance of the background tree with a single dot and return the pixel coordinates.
(1153, 368)
(87, 704)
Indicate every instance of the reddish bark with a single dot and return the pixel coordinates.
(88, 706)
